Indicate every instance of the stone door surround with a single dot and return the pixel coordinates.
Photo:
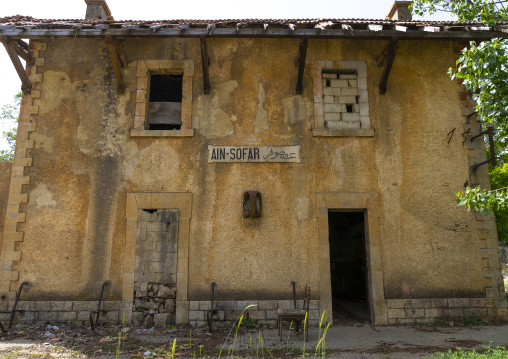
(369, 202)
(182, 202)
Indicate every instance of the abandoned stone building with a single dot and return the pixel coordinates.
(154, 158)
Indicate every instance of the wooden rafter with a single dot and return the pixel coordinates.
(206, 62)
(15, 49)
(258, 32)
(386, 59)
(300, 61)
(118, 59)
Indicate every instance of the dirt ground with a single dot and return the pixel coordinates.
(80, 342)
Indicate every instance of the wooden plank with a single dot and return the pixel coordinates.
(22, 44)
(205, 60)
(26, 86)
(254, 33)
(120, 83)
(119, 52)
(301, 64)
(390, 57)
(20, 51)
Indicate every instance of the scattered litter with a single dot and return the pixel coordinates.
(147, 353)
(48, 334)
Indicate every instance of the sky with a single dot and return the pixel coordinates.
(196, 9)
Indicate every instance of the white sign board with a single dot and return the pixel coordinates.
(253, 154)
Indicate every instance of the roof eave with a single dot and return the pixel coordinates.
(248, 32)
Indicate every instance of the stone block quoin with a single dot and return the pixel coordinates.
(20, 177)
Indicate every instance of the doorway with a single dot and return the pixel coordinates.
(348, 267)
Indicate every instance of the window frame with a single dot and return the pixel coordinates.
(360, 67)
(147, 68)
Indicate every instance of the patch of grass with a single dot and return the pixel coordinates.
(249, 323)
(108, 346)
(442, 322)
(383, 350)
(473, 320)
(489, 353)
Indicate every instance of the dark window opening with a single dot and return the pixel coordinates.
(348, 267)
(349, 108)
(165, 106)
(166, 88)
(328, 82)
(152, 211)
(357, 99)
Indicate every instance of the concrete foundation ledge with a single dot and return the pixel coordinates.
(263, 312)
(62, 312)
(427, 311)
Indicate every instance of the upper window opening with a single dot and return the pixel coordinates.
(166, 88)
(165, 106)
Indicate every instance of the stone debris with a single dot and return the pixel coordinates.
(154, 305)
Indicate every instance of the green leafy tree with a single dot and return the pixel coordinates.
(483, 69)
(10, 112)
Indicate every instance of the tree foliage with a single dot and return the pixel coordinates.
(483, 69)
(10, 113)
(489, 12)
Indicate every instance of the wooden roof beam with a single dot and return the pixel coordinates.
(119, 61)
(386, 59)
(124, 33)
(300, 61)
(206, 62)
(14, 50)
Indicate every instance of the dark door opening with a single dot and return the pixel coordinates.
(348, 267)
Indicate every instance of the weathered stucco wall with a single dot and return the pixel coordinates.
(85, 163)
(5, 179)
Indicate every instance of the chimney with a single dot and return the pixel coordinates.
(97, 9)
(400, 11)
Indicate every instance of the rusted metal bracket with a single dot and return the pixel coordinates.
(466, 135)
(118, 59)
(98, 308)
(206, 62)
(468, 117)
(300, 61)
(14, 310)
(386, 59)
(293, 283)
(15, 49)
(451, 134)
(212, 311)
(492, 159)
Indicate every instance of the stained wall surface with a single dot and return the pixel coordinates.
(84, 162)
(5, 178)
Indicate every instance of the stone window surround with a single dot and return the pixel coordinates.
(162, 200)
(344, 201)
(363, 98)
(168, 67)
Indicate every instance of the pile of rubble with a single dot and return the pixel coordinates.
(154, 305)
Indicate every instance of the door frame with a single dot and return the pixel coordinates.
(369, 203)
(161, 200)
